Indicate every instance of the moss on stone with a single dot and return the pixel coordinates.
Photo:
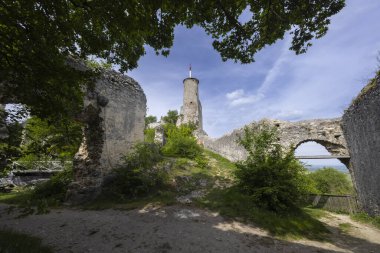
(368, 88)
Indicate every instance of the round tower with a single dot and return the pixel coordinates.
(191, 110)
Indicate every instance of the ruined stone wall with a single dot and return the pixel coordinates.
(325, 132)
(114, 113)
(191, 110)
(361, 125)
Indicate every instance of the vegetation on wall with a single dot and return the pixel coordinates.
(372, 83)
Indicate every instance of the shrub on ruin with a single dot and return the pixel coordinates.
(180, 142)
(139, 175)
(272, 177)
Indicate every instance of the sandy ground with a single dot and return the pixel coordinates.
(175, 229)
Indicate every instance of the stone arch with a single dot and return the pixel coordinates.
(327, 133)
(332, 148)
(291, 134)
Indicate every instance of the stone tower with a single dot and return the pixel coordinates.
(191, 110)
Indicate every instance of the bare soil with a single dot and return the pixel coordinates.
(177, 229)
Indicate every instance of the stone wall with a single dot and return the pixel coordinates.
(114, 113)
(361, 125)
(325, 132)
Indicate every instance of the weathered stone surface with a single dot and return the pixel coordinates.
(191, 110)
(159, 133)
(325, 132)
(3, 128)
(361, 125)
(114, 112)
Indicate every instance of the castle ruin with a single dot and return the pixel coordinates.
(360, 155)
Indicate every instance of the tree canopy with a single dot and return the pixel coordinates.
(37, 36)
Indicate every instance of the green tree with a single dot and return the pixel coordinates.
(150, 119)
(38, 36)
(171, 117)
(272, 177)
(44, 139)
(10, 147)
(331, 181)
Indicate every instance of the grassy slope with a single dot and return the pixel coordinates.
(186, 172)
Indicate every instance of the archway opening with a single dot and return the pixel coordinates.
(311, 148)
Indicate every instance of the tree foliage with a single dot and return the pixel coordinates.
(180, 142)
(271, 176)
(150, 119)
(331, 181)
(37, 36)
(52, 141)
(171, 117)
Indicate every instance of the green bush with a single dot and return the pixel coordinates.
(331, 181)
(180, 142)
(139, 175)
(274, 179)
(54, 189)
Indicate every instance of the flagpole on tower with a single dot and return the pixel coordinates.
(190, 71)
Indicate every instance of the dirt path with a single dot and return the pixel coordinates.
(175, 229)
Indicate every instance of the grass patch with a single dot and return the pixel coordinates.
(345, 227)
(14, 242)
(365, 218)
(220, 160)
(295, 224)
(16, 197)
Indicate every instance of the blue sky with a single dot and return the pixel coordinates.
(280, 84)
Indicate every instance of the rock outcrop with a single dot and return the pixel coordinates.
(361, 125)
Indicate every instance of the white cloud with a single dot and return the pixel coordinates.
(246, 100)
(236, 94)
